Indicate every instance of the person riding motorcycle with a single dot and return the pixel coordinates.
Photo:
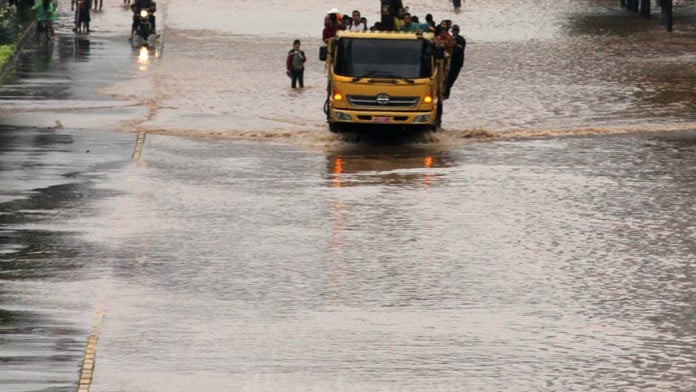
(45, 11)
(139, 5)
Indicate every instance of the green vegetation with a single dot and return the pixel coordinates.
(6, 52)
(13, 20)
(9, 29)
(9, 24)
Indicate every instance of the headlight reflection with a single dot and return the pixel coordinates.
(143, 57)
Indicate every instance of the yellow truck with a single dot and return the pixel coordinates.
(384, 78)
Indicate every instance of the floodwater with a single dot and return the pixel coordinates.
(187, 208)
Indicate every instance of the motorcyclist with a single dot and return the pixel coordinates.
(45, 12)
(139, 5)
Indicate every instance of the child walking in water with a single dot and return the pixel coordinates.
(295, 64)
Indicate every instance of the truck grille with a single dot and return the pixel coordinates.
(381, 100)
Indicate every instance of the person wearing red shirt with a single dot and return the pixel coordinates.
(331, 26)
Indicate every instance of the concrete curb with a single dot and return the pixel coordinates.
(20, 42)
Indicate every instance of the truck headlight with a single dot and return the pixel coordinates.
(343, 116)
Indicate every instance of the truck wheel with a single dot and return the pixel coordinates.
(431, 128)
(336, 127)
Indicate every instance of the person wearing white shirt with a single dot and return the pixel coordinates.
(355, 23)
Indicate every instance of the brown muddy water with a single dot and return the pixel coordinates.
(191, 213)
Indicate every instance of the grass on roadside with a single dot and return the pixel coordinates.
(6, 52)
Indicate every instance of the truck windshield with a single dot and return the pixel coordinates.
(390, 58)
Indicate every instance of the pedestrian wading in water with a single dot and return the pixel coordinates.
(295, 65)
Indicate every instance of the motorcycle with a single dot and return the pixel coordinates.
(143, 27)
(43, 28)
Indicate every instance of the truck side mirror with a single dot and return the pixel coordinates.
(323, 52)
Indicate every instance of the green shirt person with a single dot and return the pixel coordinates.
(408, 25)
(45, 11)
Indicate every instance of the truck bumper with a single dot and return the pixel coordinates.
(379, 117)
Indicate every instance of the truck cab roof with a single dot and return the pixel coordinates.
(384, 35)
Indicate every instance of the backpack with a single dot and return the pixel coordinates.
(297, 63)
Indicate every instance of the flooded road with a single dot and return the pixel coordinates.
(190, 216)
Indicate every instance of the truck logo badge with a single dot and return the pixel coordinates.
(383, 99)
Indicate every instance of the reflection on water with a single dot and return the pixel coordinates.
(48, 178)
(143, 57)
(146, 53)
(557, 263)
(81, 48)
(72, 69)
(405, 166)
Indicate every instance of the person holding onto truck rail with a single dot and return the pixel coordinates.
(447, 25)
(456, 59)
(295, 64)
(331, 26)
(443, 37)
(430, 23)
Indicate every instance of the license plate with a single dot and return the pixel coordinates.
(382, 120)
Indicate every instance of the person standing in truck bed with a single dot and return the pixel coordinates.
(408, 25)
(388, 11)
(356, 22)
